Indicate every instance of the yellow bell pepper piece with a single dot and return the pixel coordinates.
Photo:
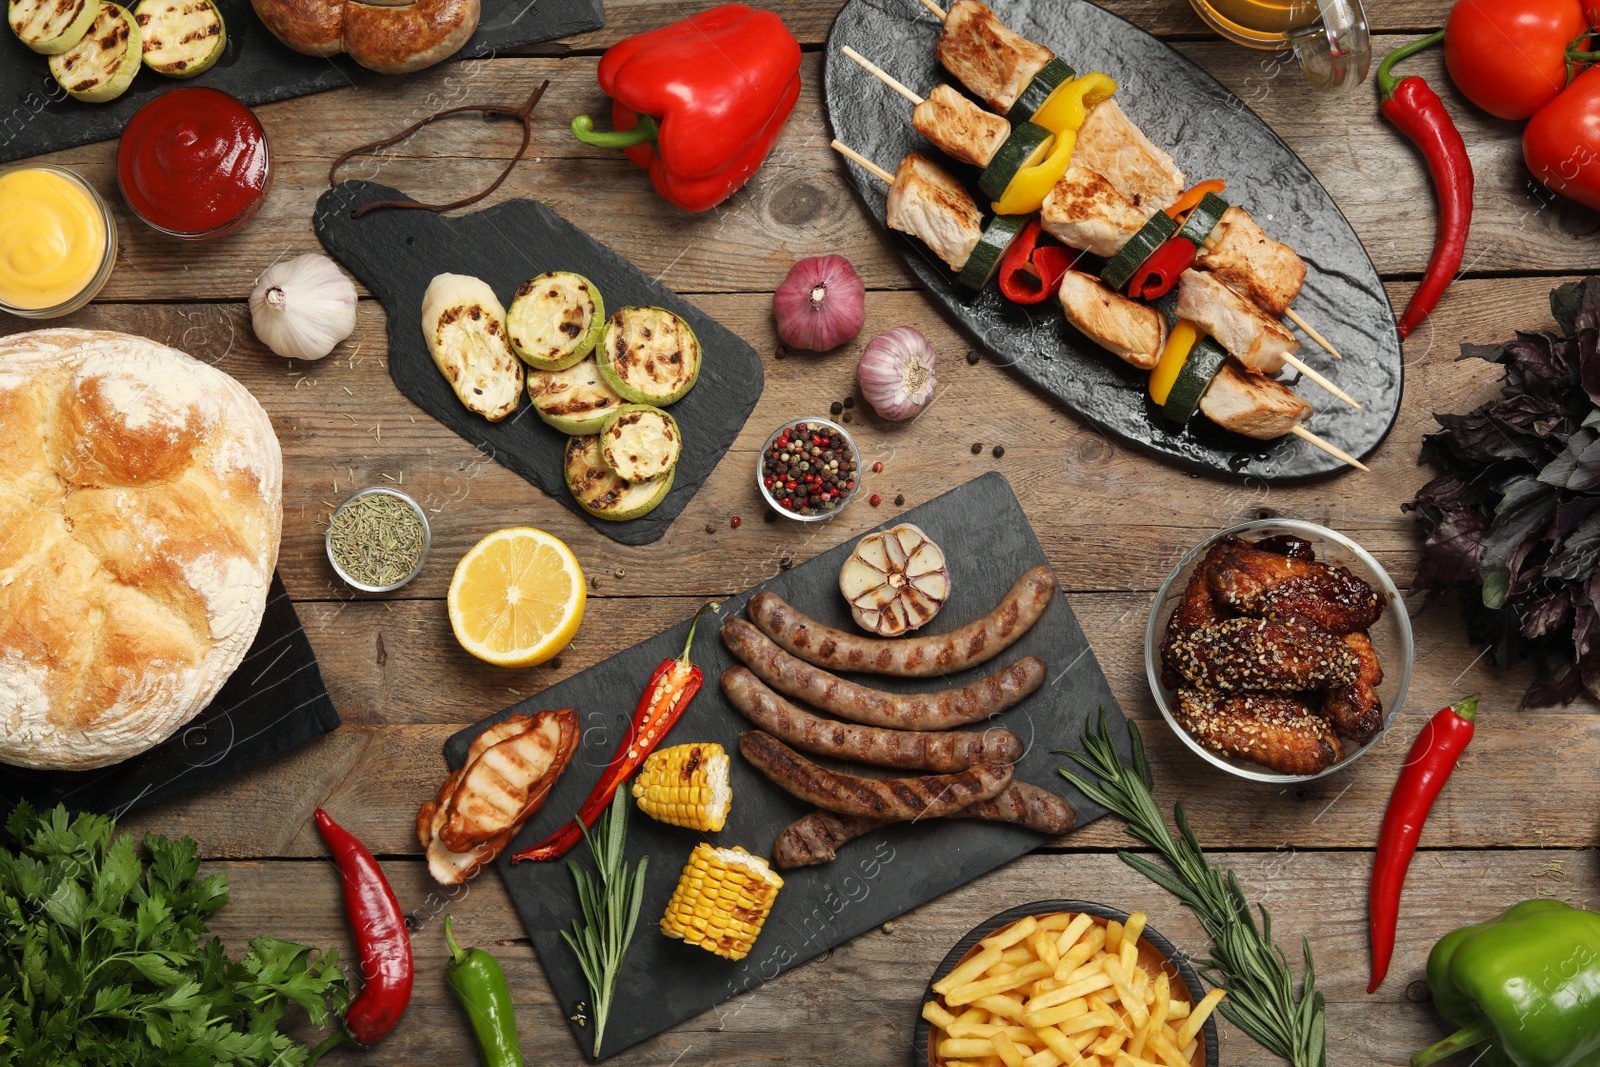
(1068, 106)
(1180, 342)
(1027, 189)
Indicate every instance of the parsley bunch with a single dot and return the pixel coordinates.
(104, 957)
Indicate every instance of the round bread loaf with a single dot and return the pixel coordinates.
(140, 509)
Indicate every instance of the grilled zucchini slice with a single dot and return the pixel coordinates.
(602, 492)
(50, 27)
(101, 66)
(649, 355)
(575, 400)
(182, 38)
(556, 319)
(465, 328)
(640, 442)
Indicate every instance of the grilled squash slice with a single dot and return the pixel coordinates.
(649, 355)
(102, 65)
(601, 491)
(182, 38)
(640, 442)
(51, 26)
(465, 327)
(556, 319)
(575, 400)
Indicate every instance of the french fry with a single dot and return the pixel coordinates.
(1190, 1049)
(1044, 948)
(1180, 1010)
(999, 984)
(1057, 1042)
(1113, 936)
(1085, 948)
(1007, 1050)
(935, 1013)
(965, 1048)
(1042, 1058)
(1125, 1060)
(1111, 1045)
(1158, 1016)
(1074, 932)
(1058, 1013)
(1001, 1006)
(1058, 921)
(1202, 1011)
(1119, 980)
(1166, 1051)
(1128, 955)
(1100, 1019)
(1017, 931)
(1019, 954)
(1118, 1021)
(1133, 929)
(969, 970)
(965, 1019)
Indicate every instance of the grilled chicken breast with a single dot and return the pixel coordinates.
(930, 205)
(1241, 254)
(1239, 655)
(1277, 731)
(1085, 210)
(986, 57)
(961, 129)
(1258, 582)
(1252, 404)
(1111, 144)
(1258, 340)
(1134, 332)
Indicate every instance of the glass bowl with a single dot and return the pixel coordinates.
(772, 501)
(422, 557)
(108, 258)
(1390, 635)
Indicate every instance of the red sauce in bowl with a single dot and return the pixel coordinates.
(193, 163)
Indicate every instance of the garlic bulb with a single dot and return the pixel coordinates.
(302, 307)
(895, 581)
(896, 373)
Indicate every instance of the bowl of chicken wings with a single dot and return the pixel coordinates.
(1278, 650)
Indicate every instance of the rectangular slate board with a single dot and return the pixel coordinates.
(397, 252)
(36, 114)
(989, 543)
(275, 701)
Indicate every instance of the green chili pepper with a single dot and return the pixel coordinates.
(481, 986)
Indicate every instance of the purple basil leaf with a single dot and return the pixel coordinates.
(1578, 466)
(1564, 303)
(1523, 513)
(1546, 615)
(1450, 553)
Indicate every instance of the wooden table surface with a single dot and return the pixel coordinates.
(1518, 819)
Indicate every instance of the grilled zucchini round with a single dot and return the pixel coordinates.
(1205, 360)
(101, 66)
(603, 493)
(575, 400)
(556, 319)
(50, 27)
(182, 38)
(640, 442)
(649, 355)
(991, 248)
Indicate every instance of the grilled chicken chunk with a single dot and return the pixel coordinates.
(960, 128)
(1197, 608)
(1241, 254)
(1085, 210)
(986, 57)
(1356, 710)
(1134, 332)
(1277, 731)
(926, 202)
(1265, 584)
(1236, 655)
(1111, 144)
(1258, 340)
(1252, 404)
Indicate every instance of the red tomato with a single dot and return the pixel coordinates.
(1510, 56)
(1561, 144)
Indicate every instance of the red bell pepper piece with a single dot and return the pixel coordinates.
(699, 102)
(1030, 272)
(1160, 272)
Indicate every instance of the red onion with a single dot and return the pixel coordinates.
(821, 304)
(896, 373)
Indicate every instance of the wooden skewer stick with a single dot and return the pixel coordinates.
(938, 12)
(1297, 364)
(882, 75)
(1294, 317)
(1332, 450)
(850, 153)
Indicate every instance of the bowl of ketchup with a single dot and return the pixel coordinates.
(193, 164)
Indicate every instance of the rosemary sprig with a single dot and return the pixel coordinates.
(610, 904)
(1261, 999)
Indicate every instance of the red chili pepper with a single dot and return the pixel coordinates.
(671, 688)
(1029, 271)
(1418, 113)
(383, 943)
(1427, 767)
(1158, 274)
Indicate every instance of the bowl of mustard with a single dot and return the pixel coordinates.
(58, 241)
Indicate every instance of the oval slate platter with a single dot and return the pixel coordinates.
(396, 254)
(1211, 134)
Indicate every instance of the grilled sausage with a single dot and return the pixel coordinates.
(909, 750)
(895, 711)
(891, 799)
(1025, 805)
(908, 657)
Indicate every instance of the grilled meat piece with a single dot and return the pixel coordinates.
(1085, 211)
(1258, 340)
(1131, 331)
(960, 128)
(1197, 608)
(1356, 710)
(1263, 654)
(1265, 584)
(926, 202)
(1267, 271)
(986, 56)
(1288, 545)
(1252, 404)
(1275, 730)
(1111, 144)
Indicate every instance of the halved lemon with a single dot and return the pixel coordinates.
(517, 597)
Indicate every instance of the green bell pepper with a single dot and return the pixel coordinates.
(1526, 983)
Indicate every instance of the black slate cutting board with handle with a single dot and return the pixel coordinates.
(1210, 133)
(396, 253)
(988, 544)
(36, 114)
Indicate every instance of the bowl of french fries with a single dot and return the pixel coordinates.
(1066, 982)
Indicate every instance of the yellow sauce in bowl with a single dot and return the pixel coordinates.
(53, 238)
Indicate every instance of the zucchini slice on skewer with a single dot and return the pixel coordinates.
(555, 320)
(1193, 379)
(1140, 247)
(50, 27)
(1033, 96)
(101, 66)
(991, 248)
(1203, 219)
(182, 38)
(649, 355)
(1027, 146)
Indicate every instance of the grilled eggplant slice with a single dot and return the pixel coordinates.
(601, 491)
(556, 319)
(575, 400)
(640, 442)
(465, 327)
(101, 66)
(649, 355)
(182, 38)
(50, 27)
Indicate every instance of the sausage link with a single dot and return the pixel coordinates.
(909, 750)
(908, 657)
(1025, 805)
(893, 799)
(796, 678)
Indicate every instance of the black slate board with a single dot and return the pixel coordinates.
(397, 253)
(1211, 134)
(988, 542)
(275, 701)
(36, 114)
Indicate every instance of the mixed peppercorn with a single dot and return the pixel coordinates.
(809, 469)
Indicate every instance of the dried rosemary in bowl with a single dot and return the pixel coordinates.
(377, 539)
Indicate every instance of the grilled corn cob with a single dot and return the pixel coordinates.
(686, 785)
(722, 900)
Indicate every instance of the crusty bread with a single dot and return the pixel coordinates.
(140, 510)
(388, 36)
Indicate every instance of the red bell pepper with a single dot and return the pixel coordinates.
(1030, 272)
(699, 102)
(1158, 274)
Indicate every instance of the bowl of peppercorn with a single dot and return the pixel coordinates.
(808, 469)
